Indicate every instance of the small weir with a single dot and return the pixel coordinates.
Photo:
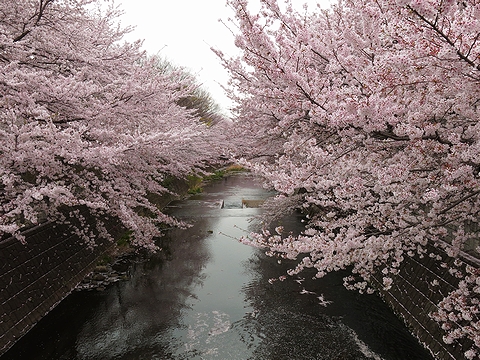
(207, 296)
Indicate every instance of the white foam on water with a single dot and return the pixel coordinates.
(204, 330)
(361, 345)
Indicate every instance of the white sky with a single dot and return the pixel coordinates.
(183, 31)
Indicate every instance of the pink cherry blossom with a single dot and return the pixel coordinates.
(364, 117)
(89, 121)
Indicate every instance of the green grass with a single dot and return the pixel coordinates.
(195, 190)
(124, 240)
(195, 182)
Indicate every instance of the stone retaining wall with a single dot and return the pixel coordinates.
(35, 277)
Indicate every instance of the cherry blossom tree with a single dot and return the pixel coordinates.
(89, 121)
(366, 117)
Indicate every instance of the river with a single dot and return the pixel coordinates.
(207, 296)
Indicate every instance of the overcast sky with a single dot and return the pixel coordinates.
(183, 31)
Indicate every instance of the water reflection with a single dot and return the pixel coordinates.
(206, 296)
(147, 305)
(319, 319)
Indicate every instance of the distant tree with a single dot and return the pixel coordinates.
(198, 98)
(366, 116)
(87, 120)
(203, 105)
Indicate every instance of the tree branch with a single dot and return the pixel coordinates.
(41, 10)
(307, 95)
(459, 201)
(434, 27)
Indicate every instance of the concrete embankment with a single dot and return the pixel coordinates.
(37, 275)
(416, 292)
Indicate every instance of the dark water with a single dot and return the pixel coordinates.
(206, 296)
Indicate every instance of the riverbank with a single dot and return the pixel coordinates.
(114, 264)
(207, 296)
(36, 277)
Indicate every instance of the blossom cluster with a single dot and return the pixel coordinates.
(88, 120)
(459, 312)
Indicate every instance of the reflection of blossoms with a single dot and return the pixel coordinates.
(205, 329)
(221, 323)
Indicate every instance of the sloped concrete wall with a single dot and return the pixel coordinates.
(414, 295)
(35, 277)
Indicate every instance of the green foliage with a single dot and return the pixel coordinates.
(199, 100)
(105, 260)
(168, 181)
(203, 105)
(194, 184)
(195, 190)
(217, 175)
(124, 240)
(235, 168)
